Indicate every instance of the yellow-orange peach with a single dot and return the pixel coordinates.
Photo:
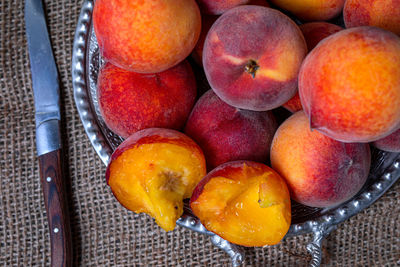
(153, 171)
(319, 171)
(244, 202)
(146, 36)
(311, 10)
(384, 14)
(349, 85)
(252, 56)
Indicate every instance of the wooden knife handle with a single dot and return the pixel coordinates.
(55, 199)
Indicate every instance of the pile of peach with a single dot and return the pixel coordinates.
(342, 85)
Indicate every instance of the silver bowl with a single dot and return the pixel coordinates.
(86, 60)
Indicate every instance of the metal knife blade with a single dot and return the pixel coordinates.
(44, 78)
(48, 140)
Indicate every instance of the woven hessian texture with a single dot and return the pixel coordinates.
(104, 233)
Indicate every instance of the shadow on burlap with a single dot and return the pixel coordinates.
(104, 233)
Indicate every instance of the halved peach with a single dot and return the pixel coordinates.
(244, 202)
(153, 171)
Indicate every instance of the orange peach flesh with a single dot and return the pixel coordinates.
(155, 178)
(249, 208)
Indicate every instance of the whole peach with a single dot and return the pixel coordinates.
(146, 36)
(319, 170)
(390, 143)
(383, 14)
(131, 101)
(349, 85)
(226, 133)
(252, 56)
(311, 10)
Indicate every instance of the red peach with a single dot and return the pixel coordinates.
(252, 56)
(132, 101)
(226, 133)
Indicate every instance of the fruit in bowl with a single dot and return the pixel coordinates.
(320, 171)
(252, 56)
(226, 133)
(349, 85)
(244, 202)
(146, 36)
(130, 101)
(153, 171)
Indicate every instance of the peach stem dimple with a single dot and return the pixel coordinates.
(252, 67)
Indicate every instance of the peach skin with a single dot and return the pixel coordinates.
(217, 7)
(131, 101)
(226, 133)
(252, 56)
(244, 202)
(384, 14)
(146, 36)
(349, 85)
(319, 171)
(311, 10)
(153, 171)
(390, 143)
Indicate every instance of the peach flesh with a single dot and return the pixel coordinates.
(153, 171)
(246, 203)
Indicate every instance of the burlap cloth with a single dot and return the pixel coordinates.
(104, 233)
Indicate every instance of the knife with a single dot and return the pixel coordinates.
(48, 138)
